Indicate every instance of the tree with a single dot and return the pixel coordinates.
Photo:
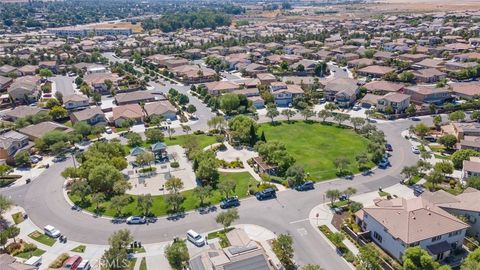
(445, 167)
(337, 238)
(472, 261)
(350, 191)
(202, 193)
(174, 201)
(154, 135)
(456, 116)
(324, 114)
(411, 110)
(307, 113)
(449, 141)
(434, 177)
(191, 109)
(81, 189)
(118, 203)
(145, 203)
(341, 117)
(4, 170)
(226, 187)
(463, 154)
(207, 168)
(357, 122)
(5, 204)
(116, 256)
(253, 135)
(177, 254)
(362, 160)
(58, 112)
(409, 171)
(186, 128)
(289, 113)
(474, 182)
(241, 126)
(283, 247)
(22, 158)
(174, 185)
(226, 218)
(170, 132)
(475, 116)
(332, 194)
(217, 123)
(295, 175)
(46, 73)
(330, 107)
(52, 103)
(341, 163)
(229, 102)
(134, 139)
(416, 258)
(437, 120)
(97, 199)
(421, 130)
(12, 232)
(156, 120)
(369, 259)
(272, 112)
(82, 128)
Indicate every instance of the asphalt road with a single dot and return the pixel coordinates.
(44, 201)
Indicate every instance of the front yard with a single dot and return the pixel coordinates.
(316, 145)
(243, 182)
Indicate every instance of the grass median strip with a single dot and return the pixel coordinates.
(29, 254)
(42, 238)
(79, 249)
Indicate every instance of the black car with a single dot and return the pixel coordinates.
(388, 147)
(229, 202)
(307, 185)
(268, 193)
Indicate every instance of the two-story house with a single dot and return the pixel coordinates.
(10, 143)
(400, 223)
(284, 94)
(75, 101)
(397, 102)
(343, 91)
(428, 94)
(91, 116)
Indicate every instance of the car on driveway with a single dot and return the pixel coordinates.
(59, 158)
(51, 231)
(384, 163)
(229, 202)
(307, 185)
(356, 108)
(418, 190)
(265, 194)
(136, 220)
(415, 150)
(195, 238)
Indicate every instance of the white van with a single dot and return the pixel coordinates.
(195, 238)
(51, 231)
(84, 265)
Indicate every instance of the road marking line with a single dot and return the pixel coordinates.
(298, 221)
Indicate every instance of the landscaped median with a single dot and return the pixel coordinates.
(42, 238)
(243, 180)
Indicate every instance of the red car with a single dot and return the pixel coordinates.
(72, 262)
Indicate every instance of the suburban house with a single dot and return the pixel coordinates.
(266, 78)
(399, 223)
(383, 87)
(429, 75)
(11, 142)
(97, 81)
(25, 89)
(469, 142)
(21, 112)
(343, 91)
(91, 116)
(243, 253)
(397, 102)
(37, 131)
(257, 101)
(5, 82)
(220, 87)
(471, 168)
(7, 70)
(428, 94)
(285, 94)
(466, 90)
(125, 112)
(161, 108)
(194, 74)
(134, 98)
(8, 262)
(375, 71)
(75, 101)
(462, 130)
(464, 205)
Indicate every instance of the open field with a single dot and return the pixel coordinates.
(136, 28)
(316, 146)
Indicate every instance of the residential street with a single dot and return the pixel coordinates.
(287, 214)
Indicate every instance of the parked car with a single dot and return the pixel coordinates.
(348, 177)
(384, 163)
(322, 100)
(34, 261)
(343, 197)
(388, 147)
(136, 220)
(108, 130)
(59, 158)
(84, 265)
(268, 193)
(417, 190)
(51, 231)
(430, 138)
(356, 108)
(415, 150)
(366, 172)
(195, 238)
(229, 202)
(416, 119)
(72, 262)
(307, 185)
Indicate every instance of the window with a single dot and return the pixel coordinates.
(377, 236)
(454, 233)
(436, 238)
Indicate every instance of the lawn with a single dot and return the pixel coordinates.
(143, 264)
(222, 235)
(202, 140)
(42, 238)
(17, 217)
(160, 207)
(79, 249)
(131, 264)
(316, 146)
(28, 255)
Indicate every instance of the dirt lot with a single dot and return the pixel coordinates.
(136, 28)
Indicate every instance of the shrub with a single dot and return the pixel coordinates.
(222, 147)
(146, 170)
(174, 164)
(58, 262)
(349, 256)
(220, 138)
(198, 132)
(13, 247)
(27, 247)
